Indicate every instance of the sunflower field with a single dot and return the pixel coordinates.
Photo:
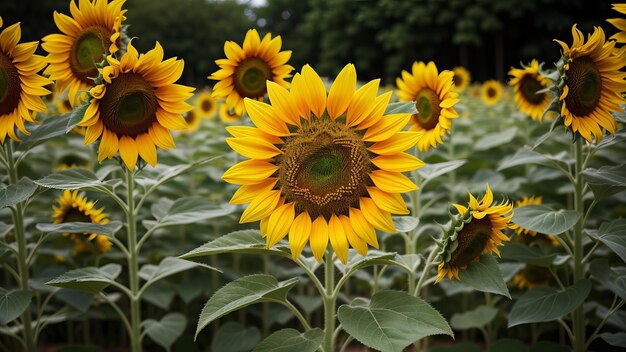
(300, 176)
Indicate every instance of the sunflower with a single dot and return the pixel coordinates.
(21, 87)
(532, 276)
(593, 84)
(136, 105)
(74, 207)
(491, 92)
(246, 69)
(461, 78)
(619, 23)
(205, 105)
(228, 115)
(89, 34)
(193, 121)
(64, 106)
(434, 99)
(71, 161)
(323, 167)
(529, 236)
(526, 83)
(477, 231)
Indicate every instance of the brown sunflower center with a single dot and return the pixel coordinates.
(457, 79)
(10, 86)
(324, 168)
(88, 50)
(206, 105)
(529, 86)
(72, 159)
(491, 92)
(75, 215)
(190, 117)
(427, 104)
(129, 105)
(472, 240)
(536, 275)
(250, 76)
(585, 86)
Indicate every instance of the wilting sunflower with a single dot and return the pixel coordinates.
(491, 92)
(526, 82)
(593, 84)
(88, 36)
(246, 69)
(74, 207)
(228, 115)
(136, 105)
(619, 23)
(21, 87)
(323, 167)
(532, 276)
(205, 105)
(529, 236)
(434, 99)
(462, 78)
(475, 232)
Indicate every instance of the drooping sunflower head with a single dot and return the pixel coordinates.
(491, 92)
(434, 98)
(21, 87)
(526, 82)
(462, 78)
(228, 115)
(135, 105)
(619, 23)
(475, 231)
(532, 276)
(246, 69)
(205, 105)
(591, 84)
(323, 166)
(529, 236)
(73, 206)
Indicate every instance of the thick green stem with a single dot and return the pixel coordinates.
(427, 266)
(133, 268)
(22, 250)
(329, 303)
(579, 269)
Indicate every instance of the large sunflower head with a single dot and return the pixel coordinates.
(462, 78)
(526, 83)
(75, 207)
(135, 105)
(227, 114)
(491, 92)
(323, 166)
(205, 105)
(592, 84)
(529, 236)
(434, 98)
(21, 87)
(86, 38)
(619, 23)
(246, 69)
(532, 276)
(476, 231)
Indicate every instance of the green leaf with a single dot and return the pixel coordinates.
(476, 318)
(392, 321)
(17, 193)
(241, 293)
(291, 340)
(77, 178)
(614, 281)
(357, 261)
(13, 304)
(108, 229)
(167, 267)
(75, 117)
(401, 107)
(90, 279)
(5, 228)
(234, 337)
(495, 139)
(543, 219)
(522, 157)
(79, 300)
(167, 330)
(606, 181)
(508, 345)
(485, 276)
(523, 253)
(613, 235)
(160, 294)
(190, 210)
(405, 223)
(49, 128)
(614, 339)
(431, 171)
(542, 304)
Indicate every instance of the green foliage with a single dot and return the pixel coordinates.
(287, 340)
(17, 193)
(13, 304)
(542, 219)
(475, 318)
(89, 279)
(167, 330)
(485, 276)
(234, 337)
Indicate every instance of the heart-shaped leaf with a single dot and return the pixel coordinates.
(17, 193)
(485, 276)
(167, 330)
(542, 219)
(476, 318)
(13, 304)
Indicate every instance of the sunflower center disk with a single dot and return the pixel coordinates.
(427, 104)
(324, 169)
(190, 117)
(585, 86)
(250, 77)
(10, 87)
(129, 105)
(472, 240)
(206, 105)
(491, 93)
(89, 49)
(75, 215)
(529, 86)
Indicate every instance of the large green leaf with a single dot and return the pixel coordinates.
(234, 337)
(613, 235)
(607, 180)
(291, 340)
(475, 318)
(90, 279)
(108, 229)
(431, 171)
(542, 304)
(522, 157)
(242, 293)
(523, 253)
(614, 281)
(190, 210)
(542, 219)
(357, 261)
(49, 128)
(391, 321)
(614, 339)
(495, 139)
(13, 304)
(167, 330)
(401, 107)
(167, 267)
(17, 193)
(77, 178)
(485, 276)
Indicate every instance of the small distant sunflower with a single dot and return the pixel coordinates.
(593, 84)
(136, 105)
(193, 121)
(474, 91)
(526, 83)
(475, 232)
(246, 69)
(228, 115)
(528, 236)
(21, 87)
(532, 276)
(205, 105)
(323, 167)
(462, 78)
(74, 207)
(434, 99)
(619, 23)
(64, 106)
(491, 92)
(71, 161)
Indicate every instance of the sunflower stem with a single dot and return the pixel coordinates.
(133, 269)
(579, 269)
(329, 302)
(427, 265)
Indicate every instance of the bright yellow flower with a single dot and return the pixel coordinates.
(205, 105)
(491, 92)
(526, 83)
(462, 78)
(619, 23)
(228, 115)
(193, 121)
